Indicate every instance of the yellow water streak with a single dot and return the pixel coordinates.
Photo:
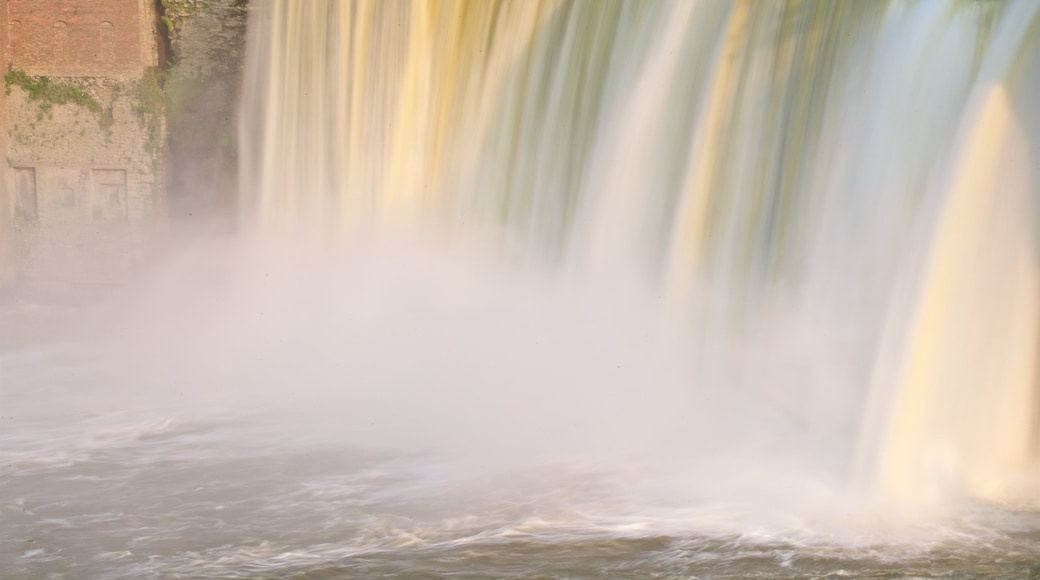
(964, 411)
(458, 54)
(374, 108)
(691, 221)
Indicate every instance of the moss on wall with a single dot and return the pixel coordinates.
(174, 12)
(48, 92)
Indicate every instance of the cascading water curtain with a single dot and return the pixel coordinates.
(871, 166)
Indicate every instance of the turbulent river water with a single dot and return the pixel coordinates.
(427, 419)
(536, 288)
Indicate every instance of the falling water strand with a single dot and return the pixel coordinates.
(768, 166)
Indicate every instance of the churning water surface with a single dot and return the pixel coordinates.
(422, 417)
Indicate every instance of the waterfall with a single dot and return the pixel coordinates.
(849, 187)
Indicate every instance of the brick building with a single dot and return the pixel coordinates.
(82, 133)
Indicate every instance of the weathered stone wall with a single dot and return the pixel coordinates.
(207, 41)
(84, 135)
(88, 185)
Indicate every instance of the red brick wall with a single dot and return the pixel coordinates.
(80, 38)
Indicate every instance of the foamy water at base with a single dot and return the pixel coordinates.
(149, 435)
(122, 496)
(99, 494)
